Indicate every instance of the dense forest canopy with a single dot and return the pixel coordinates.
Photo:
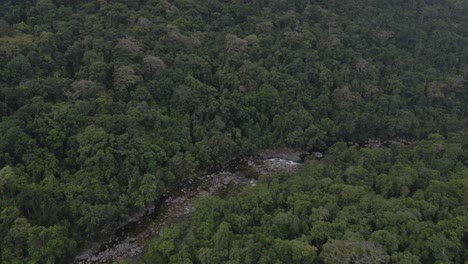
(404, 204)
(105, 104)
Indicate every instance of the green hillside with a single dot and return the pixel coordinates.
(405, 204)
(105, 104)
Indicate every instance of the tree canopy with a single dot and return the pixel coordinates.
(106, 104)
(403, 204)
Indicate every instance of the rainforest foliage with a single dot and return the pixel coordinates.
(104, 104)
(404, 204)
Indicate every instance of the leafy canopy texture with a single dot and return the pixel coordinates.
(354, 206)
(104, 105)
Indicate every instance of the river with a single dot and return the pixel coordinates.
(130, 241)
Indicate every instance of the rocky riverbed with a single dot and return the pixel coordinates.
(131, 240)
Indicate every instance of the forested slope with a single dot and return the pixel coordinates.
(404, 204)
(104, 104)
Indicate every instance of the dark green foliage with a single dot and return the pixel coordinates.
(106, 104)
(354, 206)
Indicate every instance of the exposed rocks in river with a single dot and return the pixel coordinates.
(283, 153)
(131, 240)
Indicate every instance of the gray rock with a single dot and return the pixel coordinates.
(318, 155)
(283, 153)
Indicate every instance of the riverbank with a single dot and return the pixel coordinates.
(131, 240)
